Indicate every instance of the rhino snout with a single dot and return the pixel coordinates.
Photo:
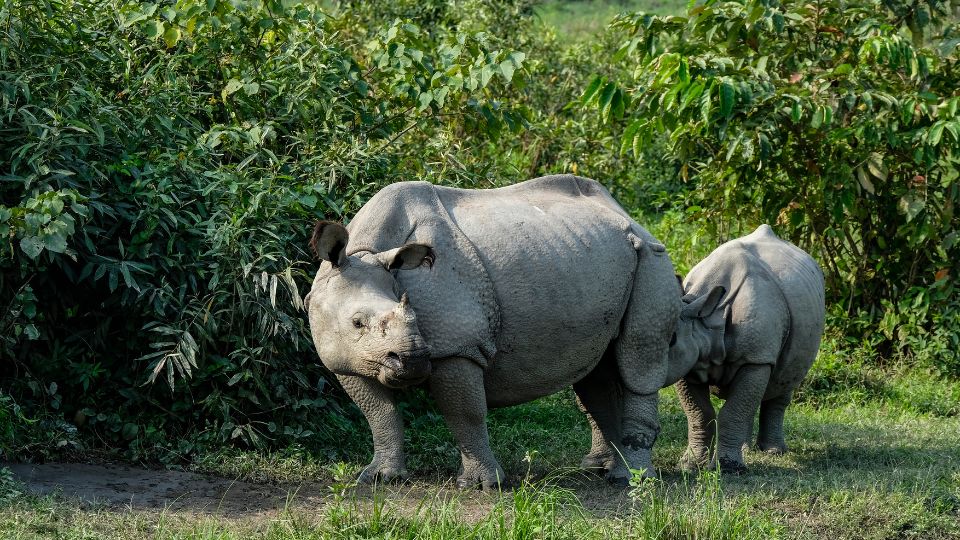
(398, 370)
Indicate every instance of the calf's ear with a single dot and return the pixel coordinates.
(329, 242)
(703, 306)
(407, 257)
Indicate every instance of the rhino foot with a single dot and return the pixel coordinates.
(620, 475)
(692, 461)
(732, 466)
(383, 470)
(775, 449)
(598, 462)
(485, 478)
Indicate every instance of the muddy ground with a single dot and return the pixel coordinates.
(123, 487)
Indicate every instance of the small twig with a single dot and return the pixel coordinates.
(395, 137)
(389, 119)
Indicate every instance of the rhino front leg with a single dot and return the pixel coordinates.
(457, 387)
(379, 407)
(701, 424)
(736, 416)
(771, 437)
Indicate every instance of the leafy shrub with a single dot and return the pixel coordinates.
(161, 164)
(824, 119)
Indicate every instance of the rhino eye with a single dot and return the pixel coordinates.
(358, 323)
(673, 340)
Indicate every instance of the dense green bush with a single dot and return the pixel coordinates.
(161, 165)
(837, 122)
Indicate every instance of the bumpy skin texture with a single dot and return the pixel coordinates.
(749, 331)
(527, 289)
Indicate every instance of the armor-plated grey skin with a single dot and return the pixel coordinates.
(749, 330)
(516, 293)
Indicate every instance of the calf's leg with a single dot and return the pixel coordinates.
(771, 437)
(735, 421)
(701, 424)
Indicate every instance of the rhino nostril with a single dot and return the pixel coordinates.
(393, 361)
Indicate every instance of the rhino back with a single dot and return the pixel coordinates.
(558, 255)
(801, 280)
(771, 275)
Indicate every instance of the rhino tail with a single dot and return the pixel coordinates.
(639, 243)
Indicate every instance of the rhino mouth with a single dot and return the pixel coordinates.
(402, 370)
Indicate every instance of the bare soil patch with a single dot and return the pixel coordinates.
(125, 487)
(145, 489)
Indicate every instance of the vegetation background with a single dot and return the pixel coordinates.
(161, 163)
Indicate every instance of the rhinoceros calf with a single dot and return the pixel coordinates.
(749, 330)
(493, 298)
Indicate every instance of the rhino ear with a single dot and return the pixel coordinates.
(407, 257)
(329, 242)
(703, 306)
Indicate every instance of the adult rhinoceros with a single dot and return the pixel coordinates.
(750, 330)
(493, 298)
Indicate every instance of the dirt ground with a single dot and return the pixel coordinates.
(124, 487)
(144, 489)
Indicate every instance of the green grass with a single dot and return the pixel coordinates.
(579, 20)
(880, 465)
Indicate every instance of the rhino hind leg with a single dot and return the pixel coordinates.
(457, 387)
(599, 396)
(701, 424)
(639, 431)
(735, 421)
(771, 438)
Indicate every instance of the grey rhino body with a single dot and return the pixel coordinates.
(524, 290)
(750, 330)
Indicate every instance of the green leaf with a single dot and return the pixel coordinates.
(727, 96)
(171, 36)
(507, 69)
(865, 182)
(57, 243)
(683, 71)
(606, 97)
(591, 91)
(232, 86)
(876, 166)
(32, 246)
(425, 99)
(485, 74)
(130, 431)
(934, 133)
(796, 112)
(911, 205)
(153, 28)
(440, 95)
(817, 120)
(31, 332)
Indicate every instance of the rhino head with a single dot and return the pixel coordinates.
(361, 323)
(697, 344)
